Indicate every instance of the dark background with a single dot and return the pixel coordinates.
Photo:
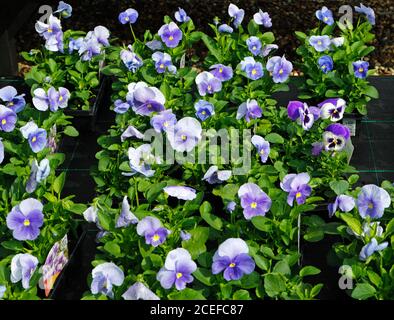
(287, 17)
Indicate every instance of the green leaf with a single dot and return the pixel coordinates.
(196, 245)
(352, 222)
(339, 187)
(12, 245)
(300, 35)
(261, 262)
(186, 294)
(262, 223)
(268, 37)
(274, 138)
(113, 248)
(371, 91)
(214, 221)
(58, 184)
(71, 131)
(212, 47)
(241, 295)
(282, 267)
(253, 28)
(353, 178)
(363, 291)
(111, 70)
(309, 271)
(204, 275)
(274, 284)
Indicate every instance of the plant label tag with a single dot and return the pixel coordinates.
(351, 124)
(55, 262)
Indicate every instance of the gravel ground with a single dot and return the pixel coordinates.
(287, 17)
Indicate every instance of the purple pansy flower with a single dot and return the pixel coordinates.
(231, 206)
(37, 137)
(155, 45)
(233, 257)
(7, 119)
(23, 266)
(185, 135)
(308, 115)
(3, 289)
(254, 201)
(181, 192)
(146, 100)
(369, 13)
(170, 34)
(185, 236)
(38, 173)
(262, 146)
(128, 16)
(335, 137)
(343, 202)
(75, 44)
(104, 277)
(325, 15)
(338, 41)
(181, 16)
(90, 214)
(225, 28)
(320, 43)
(130, 59)
(1, 151)
(163, 62)
(89, 49)
(326, 64)
(131, 132)
(236, 13)
(250, 110)
(372, 200)
(222, 72)
(26, 219)
(216, 176)
(53, 99)
(254, 45)
(64, 9)
(207, 83)
(126, 217)
(178, 269)
(360, 69)
(297, 186)
(267, 49)
(332, 109)
(140, 160)
(12, 100)
(262, 18)
(253, 69)
(204, 110)
(121, 107)
(101, 34)
(280, 68)
(293, 109)
(317, 148)
(153, 231)
(163, 121)
(370, 248)
(138, 291)
(50, 29)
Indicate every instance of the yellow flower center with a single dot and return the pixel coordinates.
(253, 205)
(254, 48)
(34, 139)
(171, 38)
(203, 112)
(4, 121)
(254, 71)
(262, 151)
(50, 30)
(324, 66)
(232, 265)
(156, 237)
(162, 66)
(319, 42)
(127, 18)
(179, 275)
(149, 106)
(209, 88)
(298, 194)
(165, 124)
(26, 223)
(325, 18)
(183, 137)
(11, 104)
(370, 205)
(221, 70)
(360, 70)
(61, 98)
(280, 71)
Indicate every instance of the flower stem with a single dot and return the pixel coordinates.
(132, 32)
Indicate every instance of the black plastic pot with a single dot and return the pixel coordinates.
(17, 82)
(72, 282)
(85, 120)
